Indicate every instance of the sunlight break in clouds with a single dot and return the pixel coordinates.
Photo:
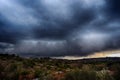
(92, 40)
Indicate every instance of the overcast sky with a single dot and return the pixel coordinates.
(59, 27)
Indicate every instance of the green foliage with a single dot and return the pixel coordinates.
(28, 63)
(116, 69)
(39, 73)
(104, 75)
(49, 77)
(88, 75)
(12, 67)
(81, 75)
(1, 68)
(24, 72)
(42, 75)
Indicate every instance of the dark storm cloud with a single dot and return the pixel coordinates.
(6, 47)
(59, 27)
(114, 7)
(60, 18)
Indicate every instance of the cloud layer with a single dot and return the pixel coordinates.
(59, 27)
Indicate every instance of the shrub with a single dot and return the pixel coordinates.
(116, 69)
(81, 75)
(88, 75)
(104, 75)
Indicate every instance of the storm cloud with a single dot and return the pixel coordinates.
(59, 27)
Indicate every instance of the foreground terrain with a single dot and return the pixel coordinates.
(17, 68)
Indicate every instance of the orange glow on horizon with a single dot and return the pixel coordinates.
(95, 55)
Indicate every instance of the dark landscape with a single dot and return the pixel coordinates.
(17, 68)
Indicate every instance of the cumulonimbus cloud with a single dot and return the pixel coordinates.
(58, 27)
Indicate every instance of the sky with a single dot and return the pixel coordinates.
(59, 28)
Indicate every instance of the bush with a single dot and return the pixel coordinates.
(43, 75)
(116, 69)
(88, 75)
(104, 75)
(81, 75)
(39, 73)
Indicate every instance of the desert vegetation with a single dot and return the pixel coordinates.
(13, 67)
